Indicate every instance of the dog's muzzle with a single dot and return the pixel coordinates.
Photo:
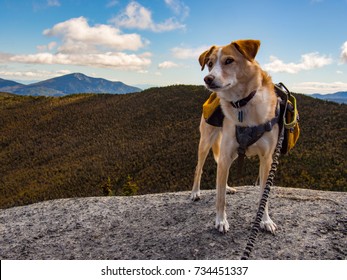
(210, 81)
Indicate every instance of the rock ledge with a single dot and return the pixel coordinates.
(312, 225)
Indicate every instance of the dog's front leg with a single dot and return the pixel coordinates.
(264, 168)
(224, 161)
(209, 136)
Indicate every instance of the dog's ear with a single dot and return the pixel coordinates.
(248, 48)
(203, 58)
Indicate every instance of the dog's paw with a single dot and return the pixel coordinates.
(231, 190)
(268, 225)
(222, 224)
(195, 195)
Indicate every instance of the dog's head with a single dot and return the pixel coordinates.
(230, 64)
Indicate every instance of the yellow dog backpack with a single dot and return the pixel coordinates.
(289, 115)
(290, 118)
(212, 111)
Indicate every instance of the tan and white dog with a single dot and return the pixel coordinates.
(234, 75)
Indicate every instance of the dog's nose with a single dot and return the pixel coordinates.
(209, 79)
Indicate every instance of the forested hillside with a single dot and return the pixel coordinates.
(146, 142)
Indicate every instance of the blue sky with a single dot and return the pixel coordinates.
(157, 42)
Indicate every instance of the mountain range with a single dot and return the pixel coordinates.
(67, 84)
(338, 97)
(80, 83)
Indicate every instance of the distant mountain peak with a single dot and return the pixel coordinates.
(68, 84)
(79, 76)
(4, 82)
(9, 86)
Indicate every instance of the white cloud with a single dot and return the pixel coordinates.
(116, 60)
(33, 74)
(95, 46)
(178, 7)
(319, 87)
(78, 36)
(48, 47)
(344, 52)
(308, 61)
(188, 53)
(135, 16)
(167, 65)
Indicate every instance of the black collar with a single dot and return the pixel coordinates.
(243, 102)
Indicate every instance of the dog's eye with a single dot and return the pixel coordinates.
(210, 64)
(229, 61)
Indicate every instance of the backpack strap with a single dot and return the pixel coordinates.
(283, 93)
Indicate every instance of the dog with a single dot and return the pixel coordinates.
(235, 75)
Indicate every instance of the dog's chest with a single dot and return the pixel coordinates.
(248, 125)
